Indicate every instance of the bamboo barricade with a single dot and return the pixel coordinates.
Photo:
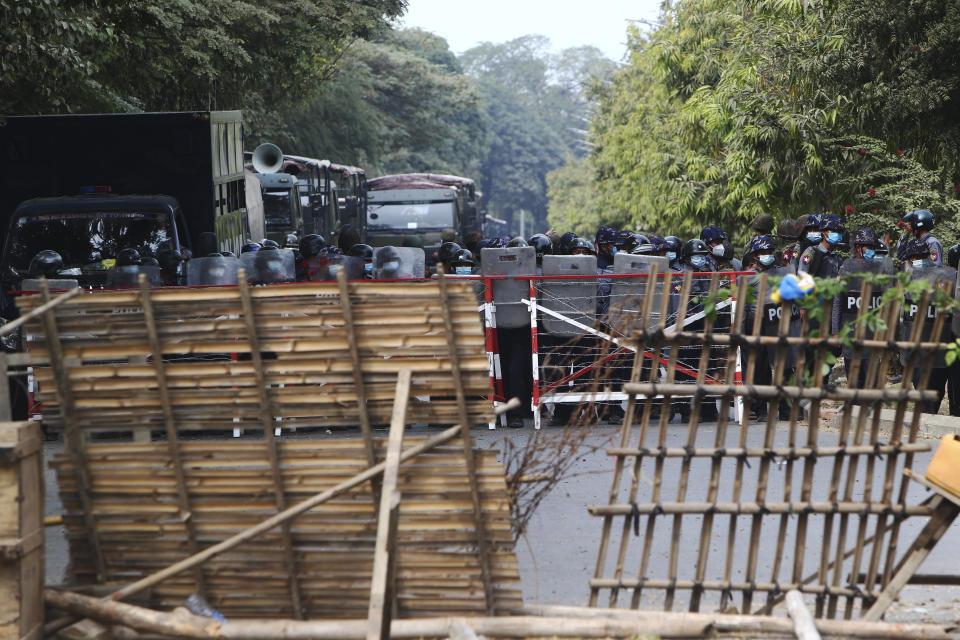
(780, 489)
(564, 622)
(266, 358)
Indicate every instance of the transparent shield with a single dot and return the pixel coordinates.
(129, 277)
(212, 271)
(323, 269)
(392, 263)
(574, 299)
(269, 266)
(627, 294)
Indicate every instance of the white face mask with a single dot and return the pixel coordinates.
(917, 264)
(393, 265)
(718, 251)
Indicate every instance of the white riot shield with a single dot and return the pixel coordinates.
(269, 266)
(128, 277)
(627, 294)
(393, 263)
(212, 271)
(574, 299)
(507, 294)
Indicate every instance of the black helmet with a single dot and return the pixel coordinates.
(694, 247)
(464, 257)
(953, 256)
(228, 254)
(627, 240)
(150, 261)
(517, 242)
(267, 243)
(386, 255)
(789, 229)
(583, 243)
(865, 238)
(908, 218)
(566, 242)
(763, 224)
(128, 258)
(447, 251)
(207, 243)
(673, 244)
(311, 245)
(250, 246)
(541, 244)
(882, 249)
(922, 220)
(169, 259)
(364, 251)
(46, 263)
(727, 250)
(291, 241)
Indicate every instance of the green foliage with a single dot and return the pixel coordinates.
(574, 203)
(730, 108)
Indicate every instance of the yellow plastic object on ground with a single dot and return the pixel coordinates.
(944, 468)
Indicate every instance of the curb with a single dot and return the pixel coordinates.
(931, 425)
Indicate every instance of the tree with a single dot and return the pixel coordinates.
(574, 203)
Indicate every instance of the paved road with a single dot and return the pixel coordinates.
(558, 553)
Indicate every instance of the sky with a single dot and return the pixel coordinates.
(465, 23)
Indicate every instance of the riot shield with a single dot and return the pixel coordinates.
(128, 277)
(944, 278)
(627, 294)
(574, 299)
(324, 269)
(212, 271)
(54, 284)
(850, 300)
(507, 294)
(395, 263)
(269, 266)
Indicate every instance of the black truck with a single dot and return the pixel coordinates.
(90, 186)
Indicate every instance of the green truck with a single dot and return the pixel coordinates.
(415, 208)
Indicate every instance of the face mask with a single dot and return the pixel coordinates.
(698, 261)
(834, 237)
(217, 272)
(718, 251)
(391, 266)
(671, 255)
(917, 264)
(868, 254)
(814, 236)
(462, 271)
(368, 267)
(766, 260)
(613, 251)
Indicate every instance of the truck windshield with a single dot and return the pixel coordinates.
(83, 239)
(411, 215)
(277, 210)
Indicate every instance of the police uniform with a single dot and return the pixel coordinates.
(768, 355)
(846, 307)
(819, 263)
(935, 248)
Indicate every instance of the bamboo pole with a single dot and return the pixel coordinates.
(780, 452)
(803, 623)
(9, 327)
(753, 508)
(625, 432)
(771, 391)
(693, 337)
(170, 427)
(273, 455)
(479, 519)
(382, 593)
(599, 624)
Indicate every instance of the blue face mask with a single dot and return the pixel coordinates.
(613, 251)
(766, 260)
(671, 255)
(834, 237)
(814, 236)
(462, 271)
(698, 261)
(868, 254)
(368, 267)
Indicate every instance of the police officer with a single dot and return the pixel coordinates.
(821, 259)
(543, 247)
(363, 252)
(445, 255)
(713, 236)
(810, 236)
(906, 223)
(863, 261)
(727, 261)
(923, 222)
(673, 247)
(788, 233)
(694, 257)
(762, 251)
(606, 243)
(920, 266)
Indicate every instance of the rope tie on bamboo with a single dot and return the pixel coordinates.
(751, 587)
(792, 454)
(776, 589)
(812, 456)
(661, 454)
(689, 452)
(726, 594)
(634, 515)
(764, 510)
(834, 507)
(770, 455)
(876, 449)
(718, 454)
(743, 458)
(841, 451)
(657, 510)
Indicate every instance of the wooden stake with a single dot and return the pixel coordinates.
(803, 623)
(273, 456)
(382, 602)
(483, 547)
(169, 423)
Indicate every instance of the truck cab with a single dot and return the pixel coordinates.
(418, 207)
(282, 209)
(88, 232)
